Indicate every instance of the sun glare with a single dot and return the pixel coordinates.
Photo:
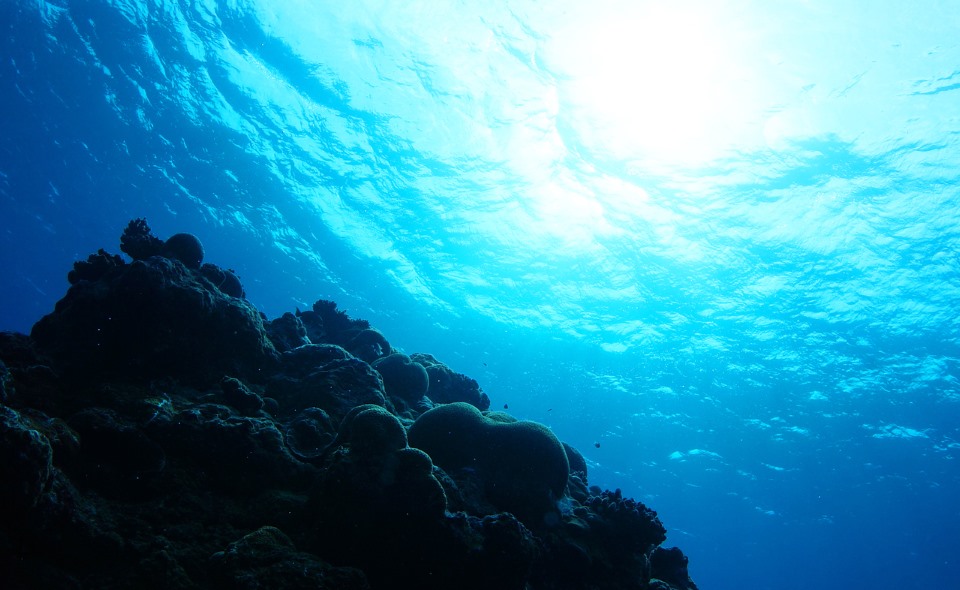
(660, 84)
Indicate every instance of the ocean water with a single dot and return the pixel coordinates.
(712, 245)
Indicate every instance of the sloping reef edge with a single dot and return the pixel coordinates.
(158, 431)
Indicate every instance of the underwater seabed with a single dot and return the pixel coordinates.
(159, 432)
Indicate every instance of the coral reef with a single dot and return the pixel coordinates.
(521, 465)
(152, 318)
(138, 242)
(94, 267)
(324, 376)
(270, 557)
(224, 279)
(25, 462)
(156, 431)
(186, 248)
(287, 332)
(447, 386)
(402, 378)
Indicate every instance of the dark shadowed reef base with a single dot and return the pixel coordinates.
(156, 431)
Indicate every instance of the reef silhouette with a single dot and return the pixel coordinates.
(158, 431)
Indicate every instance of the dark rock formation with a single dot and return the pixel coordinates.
(150, 319)
(324, 376)
(448, 386)
(522, 466)
(152, 436)
(225, 280)
(269, 557)
(186, 248)
(26, 462)
(669, 567)
(402, 378)
(94, 267)
(287, 332)
(138, 242)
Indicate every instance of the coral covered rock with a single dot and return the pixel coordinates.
(239, 453)
(448, 386)
(669, 565)
(578, 464)
(287, 332)
(327, 377)
(301, 361)
(371, 431)
(94, 267)
(402, 378)
(152, 436)
(151, 318)
(117, 457)
(138, 242)
(5, 382)
(309, 432)
(241, 397)
(374, 492)
(369, 345)
(186, 248)
(637, 527)
(325, 323)
(267, 558)
(225, 280)
(26, 461)
(371, 446)
(522, 465)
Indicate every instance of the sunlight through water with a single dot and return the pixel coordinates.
(665, 83)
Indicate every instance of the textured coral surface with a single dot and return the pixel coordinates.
(156, 431)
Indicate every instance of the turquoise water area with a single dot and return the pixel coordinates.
(712, 245)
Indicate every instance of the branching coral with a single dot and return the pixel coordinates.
(138, 242)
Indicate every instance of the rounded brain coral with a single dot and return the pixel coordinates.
(402, 378)
(371, 430)
(186, 248)
(523, 465)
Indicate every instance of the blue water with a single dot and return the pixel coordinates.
(712, 245)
